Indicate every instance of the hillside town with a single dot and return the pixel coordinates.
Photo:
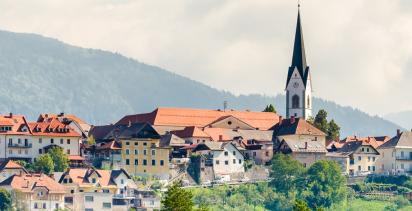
(122, 166)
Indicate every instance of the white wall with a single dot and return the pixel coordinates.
(222, 168)
(303, 93)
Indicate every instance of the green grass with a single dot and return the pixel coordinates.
(368, 205)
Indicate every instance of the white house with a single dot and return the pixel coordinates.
(396, 154)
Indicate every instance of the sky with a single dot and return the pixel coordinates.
(360, 52)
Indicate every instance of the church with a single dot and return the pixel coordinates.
(299, 81)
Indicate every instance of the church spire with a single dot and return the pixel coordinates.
(299, 57)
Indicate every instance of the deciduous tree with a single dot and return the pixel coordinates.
(5, 199)
(44, 164)
(60, 160)
(286, 173)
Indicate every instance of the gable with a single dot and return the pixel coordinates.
(230, 122)
(365, 149)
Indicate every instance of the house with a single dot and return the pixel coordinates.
(147, 200)
(78, 124)
(9, 168)
(142, 153)
(260, 151)
(110, 153)
(297, 129)
(224, 157)
(362, 157)
(15, 138)
(396, 154)
(90, 188)
(35, 192)
(306, 151)
(374, 141)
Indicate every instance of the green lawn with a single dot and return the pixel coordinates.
(372, 205)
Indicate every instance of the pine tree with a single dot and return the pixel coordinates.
(270, 108)
(333, 131)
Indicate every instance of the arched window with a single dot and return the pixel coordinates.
(295, 101)
(308, 102)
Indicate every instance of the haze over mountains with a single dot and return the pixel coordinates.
(44, 75)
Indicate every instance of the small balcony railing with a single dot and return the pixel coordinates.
(409, 158)
(20, 145)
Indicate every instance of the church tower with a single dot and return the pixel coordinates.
(299, 83)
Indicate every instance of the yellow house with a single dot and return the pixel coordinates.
(142, 153)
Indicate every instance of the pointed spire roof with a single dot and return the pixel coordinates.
(299, 55)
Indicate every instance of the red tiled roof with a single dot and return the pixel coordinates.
(296, 126)
(27, 183)
(190, 131)
(75, 157)
(200, 117)
(373, 141)
(52, 128)
(80, 176)
(9, 164)
(17, 122)
(113, 145)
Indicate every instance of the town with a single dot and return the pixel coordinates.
(62, 162)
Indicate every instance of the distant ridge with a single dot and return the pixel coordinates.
(45, 75)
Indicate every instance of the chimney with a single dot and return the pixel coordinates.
(306, 145)
(11, 115)
(292, 120)
(398, 132)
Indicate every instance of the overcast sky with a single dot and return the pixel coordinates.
(360, 52)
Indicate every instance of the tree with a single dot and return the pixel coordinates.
(286, 172)
(5, 199)
(333, 132)
(325, 185)
(91, 140)
(300, 206)
(28, 166)
(44, 164)
(177, 199)
(60, 160)
(321, 121)
(270, 108)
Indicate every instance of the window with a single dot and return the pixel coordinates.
(369, 159)
(234, 152)
(40, 140)
(254, 154)
(367, 149)
(127, 162)
(373, 158)
(145, 162)
(162, 162)
(402, 154)
(127, 151)
(40, 151)
(240, 161)
(56, 206)
(136, 151)
(68, 141)
(373, 168)
(122, 181)
(234, 161)
(153, 162)
(61, 141)
(144, 144)
(89, 198)
(93, 180)
(51, 141)
(64, 181)
(136, 143)
(70, 180)
(217, 162)
(19, 141)
(359, 158)
(107, 205)
(127, 143)
(106, 191)
(369, 168)
(144, 152)
(295, 101)
(68, 151)
(226, 162)
(153, 152)
(136, 162)
(88, 209)
(359, 168)
(226, 153)
(308, 101)
(35, 205)
(44, 205)
(402, 166)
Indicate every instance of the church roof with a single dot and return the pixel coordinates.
(299, 56)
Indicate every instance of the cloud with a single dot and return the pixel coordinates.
(359, 51)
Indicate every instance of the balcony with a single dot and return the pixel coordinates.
(123, 196)
(20, 145)
(405, 158)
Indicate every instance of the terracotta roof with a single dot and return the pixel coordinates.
(374, 141)
(28, 182)
(189, 132)
(75, 157)
(296, 126)
(52, 128)
(17, 123)
(200, 117)
(10, 164)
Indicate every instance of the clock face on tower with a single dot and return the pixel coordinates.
(295, 85)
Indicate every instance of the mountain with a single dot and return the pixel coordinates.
(45, 75)
(403, 118)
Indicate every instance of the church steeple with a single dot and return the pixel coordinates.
(298, 83)
(299, 57)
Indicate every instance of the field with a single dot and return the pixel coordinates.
(372, 205)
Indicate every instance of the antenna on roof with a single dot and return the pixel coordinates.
(224, 105)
